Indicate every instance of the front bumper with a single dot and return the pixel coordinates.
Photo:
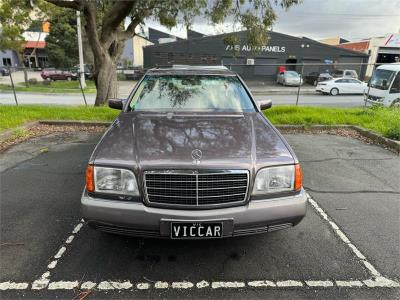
(136, 219)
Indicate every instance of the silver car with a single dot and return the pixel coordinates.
(289, 78)
(192, 156)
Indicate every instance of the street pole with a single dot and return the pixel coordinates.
(13, 87)
(301, 78)
(81, 67)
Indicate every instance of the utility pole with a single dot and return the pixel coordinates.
(81, 67)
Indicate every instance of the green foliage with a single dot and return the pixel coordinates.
(61, 43)
(385, 121)
(14, 116)
(14, 17)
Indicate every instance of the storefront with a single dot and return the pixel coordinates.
(263, 61)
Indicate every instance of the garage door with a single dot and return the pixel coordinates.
(259, 69)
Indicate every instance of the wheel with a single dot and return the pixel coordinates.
(334, 92)
(396, 103)
(69, 78)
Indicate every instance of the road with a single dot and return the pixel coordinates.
(346, 247)
(77, 99)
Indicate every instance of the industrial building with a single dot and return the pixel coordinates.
(262, 62)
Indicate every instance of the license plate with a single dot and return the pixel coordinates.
(193, 230)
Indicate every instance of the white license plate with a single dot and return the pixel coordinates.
(193, 230)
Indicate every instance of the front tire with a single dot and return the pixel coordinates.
(334, 92)
(396, 103)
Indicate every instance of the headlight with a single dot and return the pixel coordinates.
(111, 181)
(278, 179)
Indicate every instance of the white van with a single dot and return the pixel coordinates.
(384, 86)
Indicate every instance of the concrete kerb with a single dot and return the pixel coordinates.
(5, 135)
(376, 138)
(379, 139)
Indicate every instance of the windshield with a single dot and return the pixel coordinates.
(191, 93)
(292, 74)
(381, 76)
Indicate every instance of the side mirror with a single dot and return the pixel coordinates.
(264, 104)
(116, 103)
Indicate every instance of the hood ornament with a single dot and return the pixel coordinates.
(196, 155)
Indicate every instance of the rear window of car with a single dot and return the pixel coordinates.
(191, 93)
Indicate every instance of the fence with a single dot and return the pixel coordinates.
(264, 80)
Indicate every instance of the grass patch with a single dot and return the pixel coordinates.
(14, 116)
(385, 121)
(52, 87)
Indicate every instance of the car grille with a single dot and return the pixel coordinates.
(196, 189)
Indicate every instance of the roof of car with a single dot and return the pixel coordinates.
(391, 67)
(191, 70)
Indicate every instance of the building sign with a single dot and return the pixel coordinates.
(392, 40)
(248, 48)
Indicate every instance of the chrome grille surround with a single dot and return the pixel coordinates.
(196, 189)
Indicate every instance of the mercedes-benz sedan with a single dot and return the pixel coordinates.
(192, 156)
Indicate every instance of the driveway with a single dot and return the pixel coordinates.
(346, 247)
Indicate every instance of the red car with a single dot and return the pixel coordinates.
(53, 74)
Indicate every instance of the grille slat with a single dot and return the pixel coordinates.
(194, 189)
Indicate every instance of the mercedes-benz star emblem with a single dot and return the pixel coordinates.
(196, 155)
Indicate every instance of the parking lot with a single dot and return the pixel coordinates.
(348, 246)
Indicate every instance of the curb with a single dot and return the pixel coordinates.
(74, 123)
(379, 139)
(10, 132)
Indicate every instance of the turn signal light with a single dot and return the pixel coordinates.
(90, 178)
(298, 177)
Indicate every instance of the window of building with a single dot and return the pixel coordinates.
(7, 61)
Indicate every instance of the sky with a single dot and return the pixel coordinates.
(318, 19)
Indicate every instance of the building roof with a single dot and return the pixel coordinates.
(35, 44)
(191, 34)
(361, 46)
(272, 34)
(191, 70)
(155, 36)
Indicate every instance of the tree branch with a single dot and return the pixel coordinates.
(112, 20)
(67, 4)
(89, 12)
(130, 30)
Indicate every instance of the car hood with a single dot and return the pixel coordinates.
(146, 141)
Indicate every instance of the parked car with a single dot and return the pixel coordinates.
(192, 156)
(384, 86)
(345, 73)
(133, 73)
(324, 77)
(289, 78)
(311, 78)
(4, 71)
(87, 69)
(342, 86)
(53, 74)
(315, 77)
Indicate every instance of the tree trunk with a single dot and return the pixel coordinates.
(105, 74)
(104, 78)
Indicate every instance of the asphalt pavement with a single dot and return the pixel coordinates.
(284, 99)
(346, 247)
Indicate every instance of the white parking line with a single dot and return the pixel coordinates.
(44, 280)
(377, 280)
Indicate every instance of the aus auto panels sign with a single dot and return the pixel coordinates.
(248, 48)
